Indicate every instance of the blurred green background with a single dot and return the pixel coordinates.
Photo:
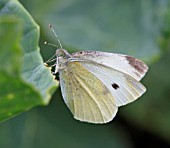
(138, 28)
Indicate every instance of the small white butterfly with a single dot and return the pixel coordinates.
(94, 84)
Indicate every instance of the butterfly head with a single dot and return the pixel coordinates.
(62, 59)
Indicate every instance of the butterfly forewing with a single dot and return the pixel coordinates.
(87, 97)
(120, 62)
(123, 87)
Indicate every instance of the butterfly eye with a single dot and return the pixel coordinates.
(115, 86)
(60, 53)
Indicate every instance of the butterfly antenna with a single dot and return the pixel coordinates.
(50, 26)
(46, 43)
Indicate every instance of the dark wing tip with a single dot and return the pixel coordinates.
(140, 66)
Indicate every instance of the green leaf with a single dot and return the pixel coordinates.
(15, 95)
(26, 82)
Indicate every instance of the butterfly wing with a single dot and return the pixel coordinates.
(123, 63)
(123, 87)
(86, 96)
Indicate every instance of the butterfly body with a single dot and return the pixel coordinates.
(94, 84)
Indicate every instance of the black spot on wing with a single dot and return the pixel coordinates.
(115, 86)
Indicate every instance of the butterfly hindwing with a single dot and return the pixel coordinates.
(87, 97)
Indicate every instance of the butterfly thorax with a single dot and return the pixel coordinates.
(62, 58)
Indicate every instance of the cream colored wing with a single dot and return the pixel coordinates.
(86, 96)
(123, 87)
(124, 63)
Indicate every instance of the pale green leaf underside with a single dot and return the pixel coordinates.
(21, 65)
